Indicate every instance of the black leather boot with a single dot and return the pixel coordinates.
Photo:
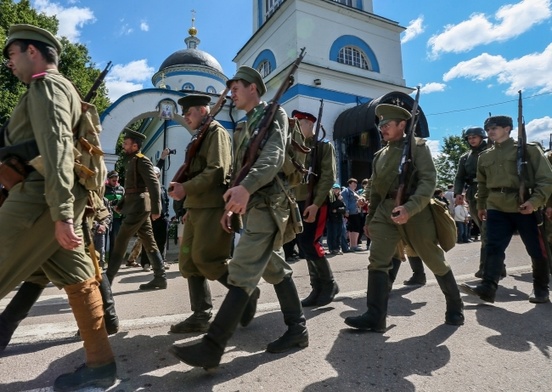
(296, 334)
(378, 294)
(312, 298)
(455, 307)
(17, 310)
(486, 290)
(394, 271)
(250, 308)
(541, 279)
(208, 352)
(482, 257)
(200, 299)
(159, 280)
(110, 315)
(328, 286)
(418, 277)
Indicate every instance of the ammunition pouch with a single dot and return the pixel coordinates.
(13, 171)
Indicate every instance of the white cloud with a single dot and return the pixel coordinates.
(539, 130)
(414, 28)
(432, 87)
(71, 19)
(125, 78)
(433, 147)
(529, 72)
(144, 26)
(125, 29)
(512, 21)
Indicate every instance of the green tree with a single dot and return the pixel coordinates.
(75, 61)
(447, 161)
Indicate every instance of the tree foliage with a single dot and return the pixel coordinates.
(447, 161)
(75, 62)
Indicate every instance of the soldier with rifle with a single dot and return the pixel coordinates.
(399, 210)
(514, 180)
(256, 194)
(205, 246)
(312, 198)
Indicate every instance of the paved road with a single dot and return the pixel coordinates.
(502, 347)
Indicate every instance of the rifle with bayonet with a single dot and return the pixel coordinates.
(94, 89)
(260, 133)
(406, 156)
(193, 147)
(312, 174)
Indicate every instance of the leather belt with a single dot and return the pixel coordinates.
(504, 190)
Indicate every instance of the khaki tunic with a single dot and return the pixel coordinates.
(205, 246)
(325, 169)
(47, 112)
(419, 231)
(259, 252)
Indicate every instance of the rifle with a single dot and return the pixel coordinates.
(406, 157)
(92, 92)
(312, 176)
(260, 133)
(521, 153)
(192, 149)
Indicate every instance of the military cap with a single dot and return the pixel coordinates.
(30, 32)
(386, 112)
(193, 100)
(112, 174)
(303, 116)
(475, 131)
(250, 75)
(130, 134)
(498, 121)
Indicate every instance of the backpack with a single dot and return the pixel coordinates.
(89, 161)
(295, 156)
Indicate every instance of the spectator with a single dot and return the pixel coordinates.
(352, 213)
(114, 192)
(335, 227)
(462, 217)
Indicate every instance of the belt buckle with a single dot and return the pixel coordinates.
(502, 190)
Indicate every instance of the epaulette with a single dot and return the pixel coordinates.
(139, 155)
(39, 76)
(420, 141)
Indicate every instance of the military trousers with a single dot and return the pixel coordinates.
(205, 246)
(419, 233)
(254, 256)
(309, 240)
(28, 242)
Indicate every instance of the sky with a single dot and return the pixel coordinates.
(470, 58)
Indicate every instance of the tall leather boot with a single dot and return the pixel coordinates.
(296, 334)
(208, 352)
(482, 257)
(328, 286)
(100, 369)
(251, 307)
(541, 279)
(376, 299)
(455, 307)
(394, 271)
(17, 310)
(486, 290)
(159, 280)
(418, 277)
(312, 298)
(110, 315)
(200, 299)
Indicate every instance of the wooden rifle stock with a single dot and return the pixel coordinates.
(92, 93)
(260, 133)
(521, 152)
(182, 173)
(312, 174)
(406, 157)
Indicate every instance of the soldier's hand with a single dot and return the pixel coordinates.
(526, 208)
(367, 231)
(482, 215)
(65, 235)
(309, 215)
(176, 191)
(226, 221)
(236, 199)
(400, 215)
(165, 153)
(155, 216)
(185, 217)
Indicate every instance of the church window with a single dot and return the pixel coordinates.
(211, 90)
(345, 2)
(188, 86)
(353, 56)
(271, 6)
(264, 68)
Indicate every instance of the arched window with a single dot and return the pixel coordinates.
(353, 56)
(264, 68)
(271, 6)
(188, 86)
(345, 2)
(211, 90)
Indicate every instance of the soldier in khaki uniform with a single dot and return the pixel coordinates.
(411, 222)
(499, 204)
(44, 212)
(205, 246)
(314, 215)
(263, 204)
(142, 199)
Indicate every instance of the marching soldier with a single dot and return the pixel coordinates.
(324, 287)
(203, 258)
(265, 209)
(44, 211)
(498, 203)
(411, 222)
(142, 199)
